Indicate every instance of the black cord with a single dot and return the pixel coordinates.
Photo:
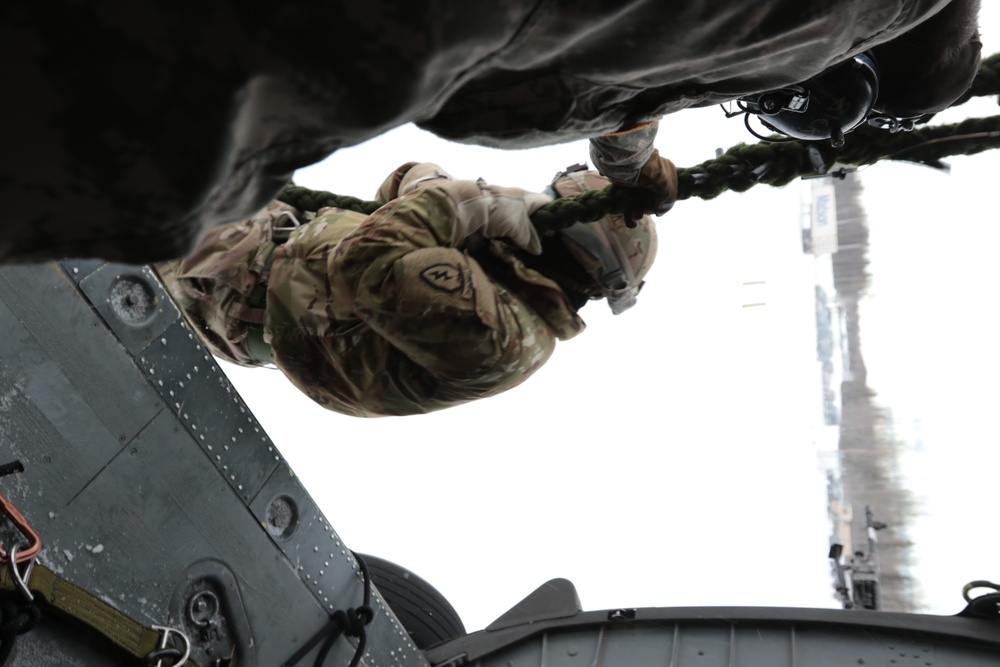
(10, 468)
(350, 622)
(161, 654)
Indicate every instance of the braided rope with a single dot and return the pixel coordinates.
(777, 164)
(987, 81)
(746, 165)
(305, 199)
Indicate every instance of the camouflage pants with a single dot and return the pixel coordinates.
(221, 286)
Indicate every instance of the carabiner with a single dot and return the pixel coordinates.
(22, 525)
(20, 579)
(291, 216)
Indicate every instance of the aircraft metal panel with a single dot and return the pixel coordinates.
(198, 392)
(132, 302)
(67, 330)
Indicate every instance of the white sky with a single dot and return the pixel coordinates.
(669, 456)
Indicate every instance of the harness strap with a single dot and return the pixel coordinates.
(140, 641)
(253, 314)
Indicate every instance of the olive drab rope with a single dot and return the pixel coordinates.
(777, 164)
(305, 199)
(746, 165)
(987, 81)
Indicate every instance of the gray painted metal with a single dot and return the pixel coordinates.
(154, 487)
(152, 484)
(562, 636)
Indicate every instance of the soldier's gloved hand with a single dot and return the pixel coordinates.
(409, 177)
(423, 175)
(658, 177)
(491, 211)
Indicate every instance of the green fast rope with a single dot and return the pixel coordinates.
(987, 81)
(305, 199)
(746, 165)
(777, 164)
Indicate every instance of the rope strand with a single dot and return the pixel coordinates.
(746, 165)
(987, 81)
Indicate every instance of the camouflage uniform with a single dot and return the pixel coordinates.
(374, 315)
(133, 127)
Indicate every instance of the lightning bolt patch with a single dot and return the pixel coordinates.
(443, 277)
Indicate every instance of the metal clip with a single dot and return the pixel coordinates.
(21, 580)
(760, 171)
(839, 173)
(280, 234)
(290, 216)
(22, 525)
(156, 655)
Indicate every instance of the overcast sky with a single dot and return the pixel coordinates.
(670, 456)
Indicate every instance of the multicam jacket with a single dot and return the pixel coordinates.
(374, 315)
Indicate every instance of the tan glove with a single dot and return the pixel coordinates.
(490, 211)
(409, 177)
(659, 178)
(423, 175)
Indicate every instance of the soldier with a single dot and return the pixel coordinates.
(445, 294)
(134, 127)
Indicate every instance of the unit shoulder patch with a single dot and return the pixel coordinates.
(446, 277)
